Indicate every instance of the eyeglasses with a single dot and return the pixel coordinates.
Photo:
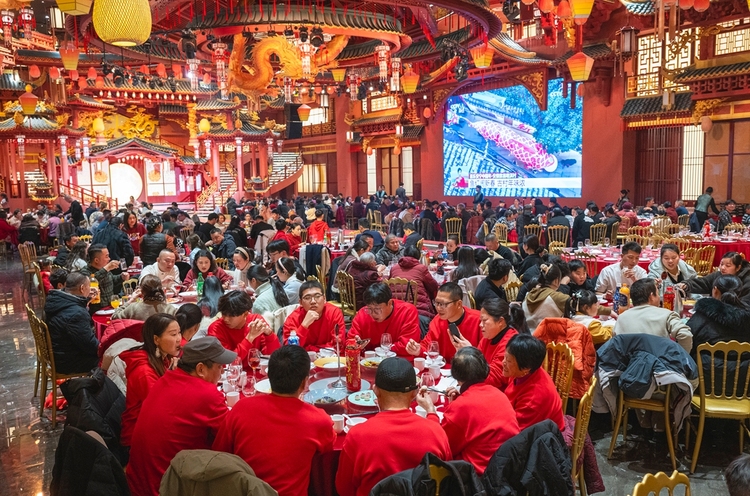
(374, 310)
(443, 304)
(310, 298)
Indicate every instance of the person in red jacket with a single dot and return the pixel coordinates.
(531, 390)
(382, 314)
(318, 229)
(450, 309)
(277, 434)
(393, 440)
(239, 330)
(172, 421)
(479, 419)
(315, 319)
(145, 364)
(205, 263)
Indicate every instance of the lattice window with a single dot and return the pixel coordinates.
(733, 41)
(693, 140)
(651, 57)
(384, 103)
(313, 179)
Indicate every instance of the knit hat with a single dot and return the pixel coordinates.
(627, 205)
(396, 375)
(207, 348)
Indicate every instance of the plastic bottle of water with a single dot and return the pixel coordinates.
(293, 339)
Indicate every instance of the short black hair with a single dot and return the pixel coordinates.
(95, 250)
(58, 276)
(235, 303)
(738, 476)
(413, 252)
(453, 289)
(528, 351)
(641, 290)
(377, 293)
(277, 246)
(454, 238)
(188, 315)
(498, 268)
(469, 367)
(216, 230)
(409, 225)
(212, 216)
(74, 280)
(632, 246)
(288, 369)
(576, 264)
(319, 213)
(309, 285)
(364, 223)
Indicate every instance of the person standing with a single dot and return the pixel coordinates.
(702, 204)
(478, 196)
(401, 192)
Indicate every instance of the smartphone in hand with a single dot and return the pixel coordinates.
(453, 329)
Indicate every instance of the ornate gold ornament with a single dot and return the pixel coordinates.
(705, 107)
(62, 119)
(141, 125)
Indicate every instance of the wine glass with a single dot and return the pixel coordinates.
(248, 385)
(233, 374)
(253, 359)
(606, 242)
(580, 246)
(386, 341)
(588, 243)
(433, 351)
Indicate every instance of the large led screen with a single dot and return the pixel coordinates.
(501, 140)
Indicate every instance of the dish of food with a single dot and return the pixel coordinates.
(371, 363)
(109, 311)
(325, 400)
(330, 363)
(324, 384)
(263, 386)
(174, 299)
(362, 398)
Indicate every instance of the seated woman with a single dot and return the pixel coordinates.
(351, 256)
(467, 264)
(209, 303)
(731, 264)
(189, 316)
(365, 273)
(29, 230)
(205, 264)
(294, 238)
(146, 363)
(243, 261)
(153, 301)
(269, 293)
(584, 307)
(534, 257)
(544, 300)
(531, 390)
(723, 317)
(135, 230)
(194, 244)
(77, 257)
(292, 276)
(237, 232)
(579, 278)
(669, 267)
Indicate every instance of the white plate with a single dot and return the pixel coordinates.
(189, 294)
(333, 365)
(323, 384)
(363, 398)
(263, 386)
(428, 362)
(105, 312)
(445, 372)
(610, 259)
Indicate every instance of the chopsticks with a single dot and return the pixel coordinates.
(435, 390)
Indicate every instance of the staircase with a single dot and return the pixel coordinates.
(38, 186)
(227, 187)
(285, 165)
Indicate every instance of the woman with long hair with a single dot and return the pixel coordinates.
(146, 363)
(534, 256)
(544, 300)
(731, 264)
(292, 276)
(209, 302)
(194, 244)
(135, 230)
(294, 238)
(189, 316)
(269, 293)
(77, 257)
(205, 264)
(467, 264)
(154, 301)
(235, 230)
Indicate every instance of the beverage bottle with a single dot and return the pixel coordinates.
(98, 298)
(293, 339)
(616, 300)
(199, 285)
(669, 298)
(706, 229)
(624, 298)
(439, 263)
(353, 379)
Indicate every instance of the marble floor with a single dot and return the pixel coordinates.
(27, 443)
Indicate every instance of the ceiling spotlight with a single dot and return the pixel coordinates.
(151, 84)
(271, 33)
(289, 32)
(188, 43)
(118, 78)
(303, 34)
(316, 39)
(172, 84)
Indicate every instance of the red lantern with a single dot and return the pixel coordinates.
(177, 70)
(161, 71)
(686, 4)
(207, 79)
(701, 5)
(34, 72)
(91, 74)
(73, 75)
(99, 82)
(546, 6)
(145, 70)
(563, 10)
(54, 73)
(82, 83)
(427, 113)
(304, 112)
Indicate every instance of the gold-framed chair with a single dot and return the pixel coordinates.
(635, 238)
(86, 237)
(27, 252)
(46, 361)
(672, 229)
(534, 229)
(735, 227)
(728, 398)
(644, 231)
(683, 220)
(681, 243)
(472, 301)
(403, 289)
(420, 244)
(612, 233)
(222, 263)
(511, 289)
(625, 403)
(322, 277)
(501, 231)
(559, 364)
(622, 230)
(347, 300)
(376, 219)
(40, 289)
(556, 248)
(130, 286)
(303, 235)
(558, 234)
(660, 224)
(655, 483)
(592, 266)
(185, 232)
(583, 416)
(703, 262)
(453, 227)
(689, 255)
(597, 233)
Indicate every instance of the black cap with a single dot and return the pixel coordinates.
(207, 348)
(396, 375)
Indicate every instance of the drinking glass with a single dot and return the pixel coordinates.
(248, 386)
(606, 242)
(580, 245)
(588, 243)
(433, 351)
(386, 342)
(253, 359)
(123, 265)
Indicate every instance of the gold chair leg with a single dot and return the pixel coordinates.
(670, 440)
(698, 440)
(582, 483)
(625, 424)
(615, 430)
(54, 403)
(38, 374)
(43, 394)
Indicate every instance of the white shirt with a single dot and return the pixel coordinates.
(153, 270)
(611, 276)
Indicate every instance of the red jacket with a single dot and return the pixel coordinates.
(234, 339)
(477, 423)
(534, 398)
(579, 339)
(391, 441)
(8, 231)
(494, 353)
(172, 421)
(317, 231)
(119, 329)
(469, 329)
(364, 276)
(140, 377)
(294, 242)
(402, 325)
(427, 287)
(135, 235)
(320, 333)
(190, 278)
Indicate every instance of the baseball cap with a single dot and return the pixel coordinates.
(207, 348)
(396, 375)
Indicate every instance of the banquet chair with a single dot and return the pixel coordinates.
(682, 244)
(625, 403)
(534, 229)
(735, 227)
(597, 234)
(501, 231)
(655, 483)
(403, 289)
(559, 364)
(48, 372)
(185, 232)
(39, 354)
(27, 252)
(704, 260)
(592, 266)
(622, 229)
(511, 290)
(683, 220)
(222, 263)
(579, 435)
(559, 234)
(347, 300)
(420, 244)
(42, 295)
(672, 229)
(655, 241)
(376, 219)
(728, 397)
(644, 231)
(660, 224)
(351, 222)
(303, 235)
(689, 255)
(130, 286)
(641, 240)
(86, 237)
(453, 228)
(556, 248)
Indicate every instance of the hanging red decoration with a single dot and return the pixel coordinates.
(91, 73)
(701, 5)
(34, 72)
(546, 6)
(563, 10)
(686, 4)
(82, 84)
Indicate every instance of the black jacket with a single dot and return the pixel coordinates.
(62, 256)
(461, 480)
(85, 467)
(412, 239)
(204, 231)
(151, 245)
(531, 261)
(76, 212)
(73, 341)
(487, 291)
(704, 285)
(535, 462)
(117, 243)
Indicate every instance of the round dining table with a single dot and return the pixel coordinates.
(725, 246)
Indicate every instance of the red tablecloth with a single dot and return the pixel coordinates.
(722, 248)
(100, 323)
(644, 223)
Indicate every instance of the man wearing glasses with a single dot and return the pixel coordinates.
(382, 314)
(315, 319)
(450, 310)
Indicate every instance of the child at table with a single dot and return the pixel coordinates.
(583, 308)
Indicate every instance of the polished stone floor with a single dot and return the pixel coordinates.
(27, 443)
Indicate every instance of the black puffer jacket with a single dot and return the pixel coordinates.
(535, 462)
(704, 285)
(151, 245)
(73, 341)
(117, 243)
(461, 480)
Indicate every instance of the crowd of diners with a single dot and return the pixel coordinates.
(496, 356)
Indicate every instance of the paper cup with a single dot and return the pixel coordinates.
(338, 423)
(421, 411)
(313, 356)
(419, 363)
(370, 354)
(232, 398)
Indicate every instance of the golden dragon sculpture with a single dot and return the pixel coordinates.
(254, 80)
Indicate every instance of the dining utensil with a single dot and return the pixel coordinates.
(338, 383)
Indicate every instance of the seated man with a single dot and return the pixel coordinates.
(495, 248)
(315, 319)
(74, 343)
(492, 285)
(382, 314)
(364, 228)
(450, 310)
(627, 271)
(101, 267)
(365, 272)
(480, 418)
(222, 246)
(193, 419)
(277, 249)
(393, 440)
(391, 252)
(204, 230)
(411, 237)
(165, 269)
(647, 317)
(68, 242)
(277, 434)
(318, 229)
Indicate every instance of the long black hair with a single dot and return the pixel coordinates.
(513, 314)
(260, 274)
(467, 264)
(287, 265)
(729, 286)
(201, 254)
(579, 300)
(212, 291)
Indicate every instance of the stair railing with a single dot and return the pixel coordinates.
(85, 196)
